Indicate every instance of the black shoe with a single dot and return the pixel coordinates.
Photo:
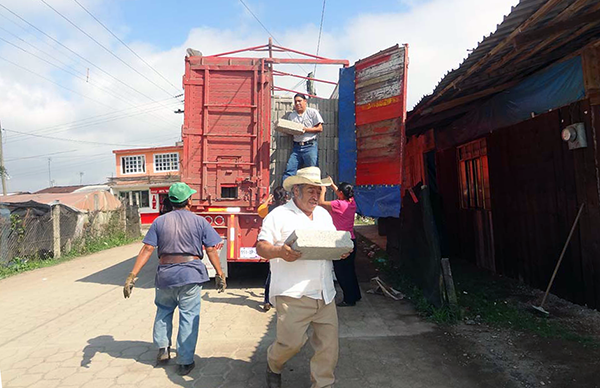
(183, 370)
(346, 304)
(164, 355)
(273, 379)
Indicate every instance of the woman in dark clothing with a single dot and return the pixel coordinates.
(342, 211)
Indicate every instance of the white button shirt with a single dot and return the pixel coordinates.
(311, 278)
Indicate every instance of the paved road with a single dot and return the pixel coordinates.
(69, 326)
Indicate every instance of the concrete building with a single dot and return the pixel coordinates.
(143, 177)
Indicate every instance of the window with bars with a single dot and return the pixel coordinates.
(133, 164)
(474, 175)
(166, 162)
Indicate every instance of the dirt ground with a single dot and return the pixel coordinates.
(519, 358)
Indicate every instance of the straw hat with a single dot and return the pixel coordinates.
(306, 176)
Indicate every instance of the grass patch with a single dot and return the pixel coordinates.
(110, 238)
(482, 298)
(397, 278)
(360, 220)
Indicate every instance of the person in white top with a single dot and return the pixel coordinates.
(305, 152)
(302, 291)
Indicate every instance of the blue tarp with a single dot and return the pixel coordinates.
(378, 201)
(372, 200)
(346, 127)
(559, 85)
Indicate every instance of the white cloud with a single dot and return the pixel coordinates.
(438, 32)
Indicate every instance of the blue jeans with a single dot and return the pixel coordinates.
(187, 298)
(302, 156)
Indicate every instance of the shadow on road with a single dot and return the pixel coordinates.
(115, 275)
(210, 372)
(242, 298)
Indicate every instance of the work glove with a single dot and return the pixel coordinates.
(129, 285)
(220, 283)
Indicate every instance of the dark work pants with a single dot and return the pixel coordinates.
(346, 277)
(267, 286)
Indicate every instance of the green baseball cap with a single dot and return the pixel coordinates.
(179, 192)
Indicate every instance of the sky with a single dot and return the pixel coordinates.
(81, 78)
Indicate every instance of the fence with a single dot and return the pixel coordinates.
(35, 230)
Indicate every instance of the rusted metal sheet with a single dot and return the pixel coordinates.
(380, 84)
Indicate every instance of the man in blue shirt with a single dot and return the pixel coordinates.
(179, 236)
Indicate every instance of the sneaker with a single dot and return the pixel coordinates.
(164, 355)
(273, 379)
(183, 370)
(267, 306)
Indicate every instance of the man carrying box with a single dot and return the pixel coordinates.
(302, 291)
(306, 150)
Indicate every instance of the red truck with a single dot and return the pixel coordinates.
(228, 155)
(226, 137)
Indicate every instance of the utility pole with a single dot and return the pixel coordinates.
(49, 173)
(2, 167)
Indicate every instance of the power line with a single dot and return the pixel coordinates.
(266, 29)
(76, 76)
(92, 120)
(41, 40)
(320, 31)
(61, 86)
(124, 44)
(60, 167)
(40, 50)
(82, 123)
(39, 156)
(48, 44)
(76, 141)
(55, 83)
(105, 48)
(76, 127)
(76, 54)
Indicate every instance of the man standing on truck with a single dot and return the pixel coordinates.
(306, 150)
(179, 236)
(302, 291)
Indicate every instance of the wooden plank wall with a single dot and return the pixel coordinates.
(281, 144)
(537, 186)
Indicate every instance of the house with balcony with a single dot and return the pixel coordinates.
(143, 177)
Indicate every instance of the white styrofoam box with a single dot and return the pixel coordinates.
(320, 244)
(289, 127)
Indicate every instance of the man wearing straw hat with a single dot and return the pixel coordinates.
(302, 291)
(179, 236)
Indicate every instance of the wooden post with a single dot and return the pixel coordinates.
(2, 167)
(56, 229)
(449, 282)
(4, 231)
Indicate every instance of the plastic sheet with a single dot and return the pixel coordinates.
(347, 127)
(557, 86)
(378, 201)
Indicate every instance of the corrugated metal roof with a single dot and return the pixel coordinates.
(59, 189)
(515, 50)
